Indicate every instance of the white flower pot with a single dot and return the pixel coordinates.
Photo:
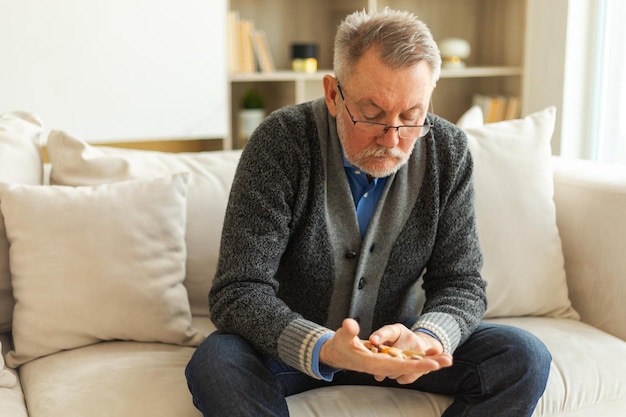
(249, 119)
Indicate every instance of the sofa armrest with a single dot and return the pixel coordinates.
(590, 200)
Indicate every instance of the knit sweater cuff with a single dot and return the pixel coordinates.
(296, 344)
(444, 326)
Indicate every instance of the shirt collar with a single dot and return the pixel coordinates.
(354, 169)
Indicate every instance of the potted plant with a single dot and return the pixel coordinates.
(251, 114)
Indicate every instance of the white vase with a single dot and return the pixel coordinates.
(454, 52)
(249, 119)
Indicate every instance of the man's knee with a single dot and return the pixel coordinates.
(218, 351)
(535, 355)
(525, 357)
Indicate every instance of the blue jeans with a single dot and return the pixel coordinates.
(499, 371)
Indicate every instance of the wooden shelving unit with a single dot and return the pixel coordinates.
(494, 28)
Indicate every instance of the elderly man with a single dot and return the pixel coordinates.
(337, 209)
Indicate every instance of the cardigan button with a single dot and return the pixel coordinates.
(350, 254)
(361, 283)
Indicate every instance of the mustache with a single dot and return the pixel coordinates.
(378, 151)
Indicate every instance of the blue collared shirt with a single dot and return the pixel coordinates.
(365, 194)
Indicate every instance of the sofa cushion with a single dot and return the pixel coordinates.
(97, 263)
(586, 374)
(117, 378)
(370, 401)
(516, 217)
(7, 377)
(20, 162)
(74, 162)
(11, 395)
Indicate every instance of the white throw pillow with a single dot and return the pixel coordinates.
(473, 117)
(516, 217)
(75, 162)
(97, 263)
(20, 162)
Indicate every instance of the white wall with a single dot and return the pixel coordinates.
(545, 59)
(559, 69)
(117, 70)
(580, 79)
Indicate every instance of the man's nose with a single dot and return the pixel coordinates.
(390, 138)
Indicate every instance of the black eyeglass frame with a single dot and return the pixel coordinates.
(388, 126)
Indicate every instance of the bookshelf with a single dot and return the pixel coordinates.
(494, 28)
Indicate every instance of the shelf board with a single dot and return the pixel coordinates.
(285, 75)
(475, 72)
(282, 75)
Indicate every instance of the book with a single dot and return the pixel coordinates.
(496, 108)
(247, 61)
(248, 48)
(263, 52)
(232, 40)
(484, 102)
(512, 108)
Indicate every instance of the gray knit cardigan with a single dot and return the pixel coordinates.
(292, 262)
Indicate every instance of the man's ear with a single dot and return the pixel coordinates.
(330, 94)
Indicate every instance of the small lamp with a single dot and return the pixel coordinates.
(454, 52)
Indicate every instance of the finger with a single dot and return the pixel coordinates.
(347, 332)
(379, 378)
(404, 378)
(433, 363)
(351, 327)
(432, 351)
(444, 360)
(409, 379)
(383, 366)
(427, 366)
(387, 334)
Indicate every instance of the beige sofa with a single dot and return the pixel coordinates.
(104, 276)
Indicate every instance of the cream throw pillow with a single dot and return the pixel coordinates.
(75, 162)
(20, 162)
(97, 263)
(516, 217)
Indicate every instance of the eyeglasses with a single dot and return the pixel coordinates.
(379, 129)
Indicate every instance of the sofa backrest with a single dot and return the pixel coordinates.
(591, 214)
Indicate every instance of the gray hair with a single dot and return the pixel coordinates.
(402, 39)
